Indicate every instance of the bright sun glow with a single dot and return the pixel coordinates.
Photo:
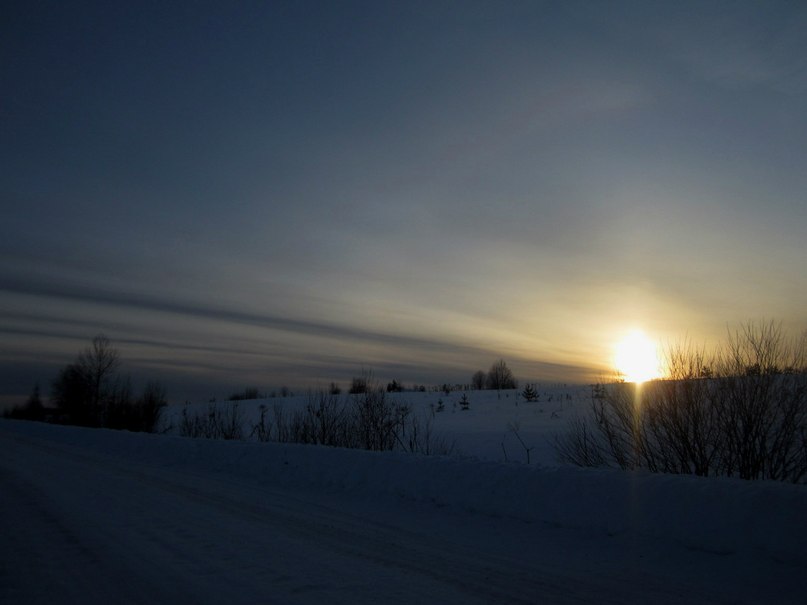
(636, 358)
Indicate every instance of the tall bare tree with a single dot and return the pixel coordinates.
(99, 363)
(82, 389)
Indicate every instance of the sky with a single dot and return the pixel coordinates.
(290, 193)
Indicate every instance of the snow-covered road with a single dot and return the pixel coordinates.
(81, 526)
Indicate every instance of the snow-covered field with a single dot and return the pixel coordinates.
(95, 516)
(489, 429)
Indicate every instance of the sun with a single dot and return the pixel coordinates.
(636, 358)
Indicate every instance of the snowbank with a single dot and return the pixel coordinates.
(712, 515)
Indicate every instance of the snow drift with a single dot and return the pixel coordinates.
(722, 516)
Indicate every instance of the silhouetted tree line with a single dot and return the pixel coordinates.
(91, 392)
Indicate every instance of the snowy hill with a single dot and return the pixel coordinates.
(96, 516)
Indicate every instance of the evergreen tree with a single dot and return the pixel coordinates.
(529, 393)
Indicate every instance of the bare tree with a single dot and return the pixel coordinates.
(478, 380)
(81, 389)
(99, 362)
(500, 377)
(90, 392)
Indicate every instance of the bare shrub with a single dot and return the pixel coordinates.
(191, 425)
(218, 422)
(368, 420)
(230, 422)
(327, 416)
(740, 411)
(323, 421)
(515, 428)
(376, 421)
(763, 403)
(581, 444)
(283, 432)
(418, 437)
(262, 429)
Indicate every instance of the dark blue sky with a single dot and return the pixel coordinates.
(284, 193)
